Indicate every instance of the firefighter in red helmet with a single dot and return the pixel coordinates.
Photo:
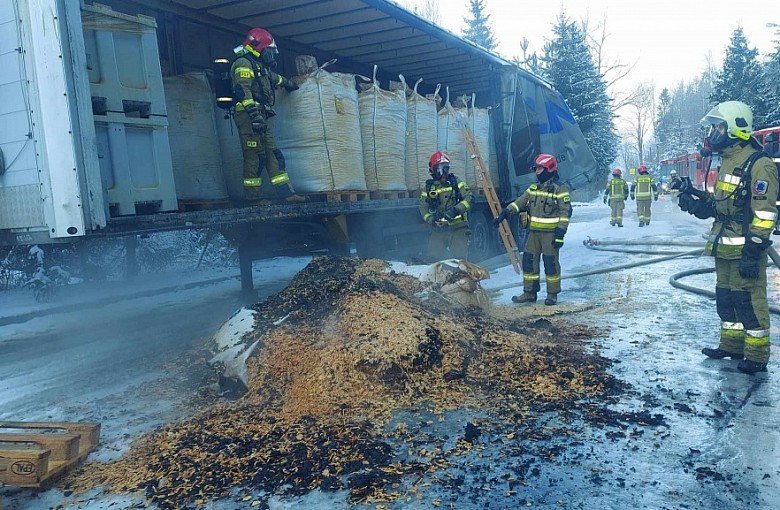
(254, 89)
(444, 205)
(549, 206)
(645, 191)
(616, 193)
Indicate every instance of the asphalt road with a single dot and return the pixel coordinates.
(719, 448)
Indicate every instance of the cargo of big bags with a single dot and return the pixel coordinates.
(383, 133)
(317, 129)
(421, 136)
(195, 148)
(451, 121)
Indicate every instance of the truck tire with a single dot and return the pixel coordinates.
(483, 237)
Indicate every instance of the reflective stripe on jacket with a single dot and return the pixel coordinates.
(249, 88)
(617, 189)
(438, 196)
(644, 188)
(727, 231)
(548, 205)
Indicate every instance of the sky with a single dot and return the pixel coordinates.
(669, 40)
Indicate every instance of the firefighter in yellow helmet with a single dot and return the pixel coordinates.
(444, 205)
(645, 191)
(254, 89)
(549, 205)
(744, 209)
(616, 193)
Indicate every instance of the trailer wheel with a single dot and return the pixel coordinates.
(483, 237)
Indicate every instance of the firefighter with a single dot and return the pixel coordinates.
(444, 206)
(549, 206)
(616, 193)
(645, 191)
(743, 205)
(674, 193)
(254, 89)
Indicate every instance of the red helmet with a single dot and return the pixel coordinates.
(617, 172)
(642, 169)
(549, 163)
(439, 164)
(257, 40)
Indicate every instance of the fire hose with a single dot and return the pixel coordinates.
(591, 244)
(616, 246)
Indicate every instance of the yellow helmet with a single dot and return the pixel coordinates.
(735, 117)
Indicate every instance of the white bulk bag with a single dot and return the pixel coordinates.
(479, 125)
(450, 130)
(317, 129)
(421, 137)
(383, 133)
(195, 154)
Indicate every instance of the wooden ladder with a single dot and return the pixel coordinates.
(483, 178)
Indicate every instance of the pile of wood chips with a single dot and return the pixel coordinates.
(355, 345)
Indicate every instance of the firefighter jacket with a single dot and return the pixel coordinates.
(616, 189)
(254, 83)
(440, 196)
(644, 188)
(737, 215)
(548, 204)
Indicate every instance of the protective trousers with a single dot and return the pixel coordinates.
(643, 210)
(617, 205)
(260, 151)
(540, 246)
(743, 310)
(448, 243)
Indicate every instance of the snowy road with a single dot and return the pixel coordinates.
(719, 449)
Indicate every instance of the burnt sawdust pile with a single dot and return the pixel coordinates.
(353, 346)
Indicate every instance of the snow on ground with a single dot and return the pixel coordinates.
(112, 352)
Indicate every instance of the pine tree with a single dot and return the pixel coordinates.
(569, 67)
(742, 78)
(478, 27)
(672, 134)
(772, 77)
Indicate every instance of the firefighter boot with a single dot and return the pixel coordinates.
(620, 224)
(525, 297)
(751, 367)
(612, 223)
(719, 353)
(641, 223)
(552, 299)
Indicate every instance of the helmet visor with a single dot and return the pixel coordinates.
(441, 168)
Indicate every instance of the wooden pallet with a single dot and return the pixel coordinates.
(32, 453)
(336, 196)
(389, 195)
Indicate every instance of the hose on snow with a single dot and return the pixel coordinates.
(610, 269)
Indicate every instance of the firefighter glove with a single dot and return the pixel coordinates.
(632, 196)
(290, 85)
(655, 197)
(450, 213)
(558, 238)
(754, 249)
(702, 209)
(504, 214)
(606, 197)
(258, 122)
